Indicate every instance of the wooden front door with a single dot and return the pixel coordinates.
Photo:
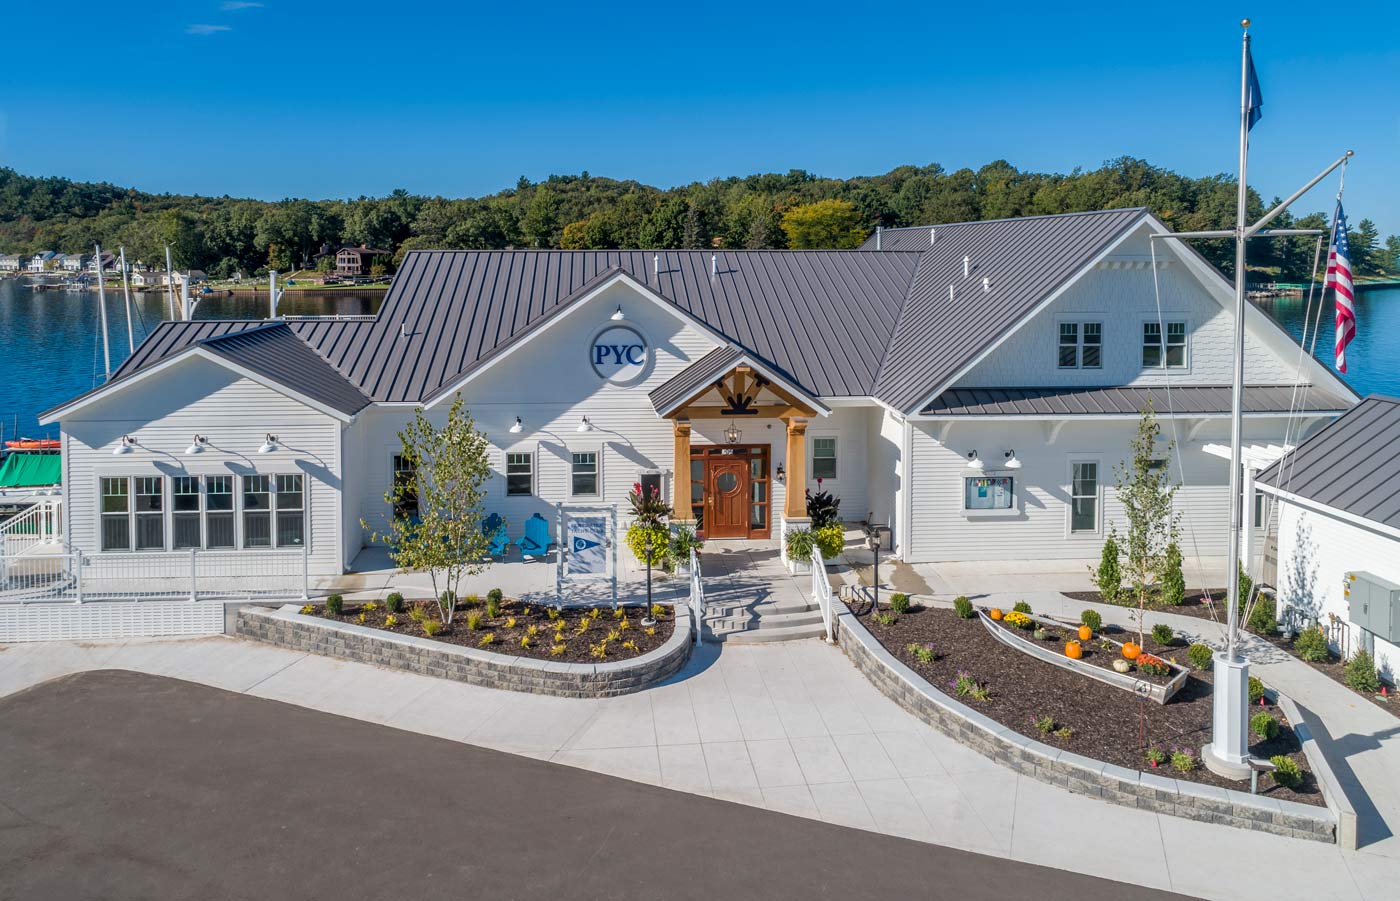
(727, 497)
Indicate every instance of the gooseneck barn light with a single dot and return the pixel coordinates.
(269, 444)
(1011, 461)
(974, 461)
(516, 429)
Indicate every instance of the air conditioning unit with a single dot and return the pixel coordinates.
(1374, 605)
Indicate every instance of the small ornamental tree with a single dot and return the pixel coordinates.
(446, 471)
(1152, 524)
(1108, 578)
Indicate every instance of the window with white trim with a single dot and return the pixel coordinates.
(116, 514)
(219, 515)
(1158, 353)
(824, 457)
(520, 474)
(257, 511)
(1084, 496)
(186, 512)
(404, 488)
(1081, 345)
(290, 508)
(149, 494)
(583, 475)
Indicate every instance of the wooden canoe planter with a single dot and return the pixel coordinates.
(1053, 654)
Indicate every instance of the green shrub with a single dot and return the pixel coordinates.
(431, 627)
(964, 607)
(823, 509)
(660, 535)
(1246, 586)
(1155, 756)
(334, 604)
(1023, 607)
(1261, 618)
(493, 608)
(1109, 577)
(899, 602)
(1183, 761)
(799, 544)
(1091, 619)
(831, 541)
(1256, 690)
(1173, 581)
(1046, 724)
(1200, 656)
(394, 602)
(1361, 673)
(683, 541)
(1286, 773)
(1263, 725)
(448, 600)
(1163, 634)
(496, 595)
(884, 619)
(1311, 645)
(924, 652)
(474, 620)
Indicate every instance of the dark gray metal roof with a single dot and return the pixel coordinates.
(1184, 401)
(692, 379)
(273, 351)
(1026, 260)
(1352, 465)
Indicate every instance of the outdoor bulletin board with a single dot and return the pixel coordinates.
(588, 558)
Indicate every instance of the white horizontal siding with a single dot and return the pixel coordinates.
(164, 414)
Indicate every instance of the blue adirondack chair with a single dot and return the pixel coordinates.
(495, 529)
(536, 541)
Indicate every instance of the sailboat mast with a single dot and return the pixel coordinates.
(102, 306)
(126, 301)
(1232, 579)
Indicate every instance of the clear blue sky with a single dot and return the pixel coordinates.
(341, 99)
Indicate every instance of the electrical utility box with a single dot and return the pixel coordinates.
(1375, 605)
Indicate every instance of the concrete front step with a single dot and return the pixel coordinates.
(769, 633)
(744, 620)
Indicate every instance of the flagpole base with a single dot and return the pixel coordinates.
(1227, 755)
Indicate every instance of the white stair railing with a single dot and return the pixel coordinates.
(697, 596)
(821, 593)
(40, 523)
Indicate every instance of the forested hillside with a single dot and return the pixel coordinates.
(223, 234)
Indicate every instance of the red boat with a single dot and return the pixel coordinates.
(34, 444)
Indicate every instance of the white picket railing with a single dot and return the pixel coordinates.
(73, 576)
(821, 593)
(40, 523)
(697, 596)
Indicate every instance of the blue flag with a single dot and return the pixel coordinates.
(1254, 98)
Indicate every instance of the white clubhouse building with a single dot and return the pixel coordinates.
(974, 385)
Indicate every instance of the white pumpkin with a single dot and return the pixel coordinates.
(1121, 665)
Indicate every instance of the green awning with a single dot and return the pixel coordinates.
(31, 470)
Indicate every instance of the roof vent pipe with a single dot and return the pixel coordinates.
(967, 266)
(878, 229)
(656, 264)
(950, 292)
(986, 284)
(714, 265)
(932, 234)
(403, 330)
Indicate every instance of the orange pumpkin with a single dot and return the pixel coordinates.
(1131, 650)
(1085, 633)
(994, 613)
(1073, 650)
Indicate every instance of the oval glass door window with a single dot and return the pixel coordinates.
(727, 482)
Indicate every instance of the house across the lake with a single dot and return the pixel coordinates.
(11, 262)
(973, 385)
(353, 262)
(41, 261)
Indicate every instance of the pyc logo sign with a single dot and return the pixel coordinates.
(619, 354)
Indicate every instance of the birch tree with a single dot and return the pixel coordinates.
(1146, 494)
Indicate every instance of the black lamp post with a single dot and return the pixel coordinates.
(646, 615)
(872, 541)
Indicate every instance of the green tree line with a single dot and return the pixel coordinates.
(223, 235)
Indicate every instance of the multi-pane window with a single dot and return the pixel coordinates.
(116, 514)
(520, 474)
(291, 511)
(584, 474)
(257, 511)
(1084, 497)
(150, 513)
(405, 488)
(1170, 352)
(1081, 345)
(218, 502)
(187, 523)
(823, 458)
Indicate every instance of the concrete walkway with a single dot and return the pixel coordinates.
(791, 727)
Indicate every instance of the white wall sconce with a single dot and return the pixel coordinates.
(585, 425)
(518, 427)
(269, 444)
(617, 315)
(197, 445)
(974, 461)
(124, 446)
(1011, 461)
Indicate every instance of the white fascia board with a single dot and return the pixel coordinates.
(1257, 323)
(573, 306)
(1349, 518)
(745, 360)
(1055, 417)
(192, 352)
(1036, 311)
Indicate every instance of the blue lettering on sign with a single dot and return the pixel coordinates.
(639, 349)
(599, 351)
(620, 354)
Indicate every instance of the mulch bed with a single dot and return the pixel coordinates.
(620, 632)
(1106, 721)
(1335, 669)
(1192, 605)
(1096, 651)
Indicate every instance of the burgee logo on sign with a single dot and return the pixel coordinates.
(587, 545)
(619, 354)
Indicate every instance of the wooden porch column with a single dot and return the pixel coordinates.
(680, 472)
(795, 503)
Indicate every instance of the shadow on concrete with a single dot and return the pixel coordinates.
(1371, 825)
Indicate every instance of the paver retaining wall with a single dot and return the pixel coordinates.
(288, 628)
(1080, 774)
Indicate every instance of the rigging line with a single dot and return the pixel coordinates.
(1171, 410)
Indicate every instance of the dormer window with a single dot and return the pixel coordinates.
(1159, 354)
(1081, 345)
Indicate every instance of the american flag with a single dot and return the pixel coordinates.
(1339, 279)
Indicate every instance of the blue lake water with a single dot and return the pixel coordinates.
(50, 348)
